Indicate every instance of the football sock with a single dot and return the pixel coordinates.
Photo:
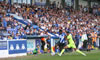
(62, 51)
(80, 52)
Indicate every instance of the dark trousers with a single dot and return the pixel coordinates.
(77, 43)
(42, 46)
(94, 44)
(61, 45)
(85, 44)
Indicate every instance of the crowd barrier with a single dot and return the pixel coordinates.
(13, 48)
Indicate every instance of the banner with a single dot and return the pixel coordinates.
(40, 2)
(3, 45)
(19, 46)
(9, 1)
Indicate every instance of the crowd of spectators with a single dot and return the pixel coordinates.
(52, 19)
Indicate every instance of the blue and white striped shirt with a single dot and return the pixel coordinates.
(62, 38)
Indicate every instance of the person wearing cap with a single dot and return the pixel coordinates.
(71, 44)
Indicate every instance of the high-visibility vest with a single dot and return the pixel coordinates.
(94, 38)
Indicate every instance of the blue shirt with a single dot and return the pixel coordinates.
(77, 37)
(4, 23)
(62, 38)
(17, 37)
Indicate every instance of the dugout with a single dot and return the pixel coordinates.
(33, 41)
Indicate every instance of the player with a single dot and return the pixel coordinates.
(61, 43)
(71, 45)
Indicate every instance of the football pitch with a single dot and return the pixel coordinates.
(93, 55)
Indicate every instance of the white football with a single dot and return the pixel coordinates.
(52, 54)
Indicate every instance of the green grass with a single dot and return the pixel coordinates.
(93, 55)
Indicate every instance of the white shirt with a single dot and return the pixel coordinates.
(84, 37)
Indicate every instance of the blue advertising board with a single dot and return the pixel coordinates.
(3, 45)
(18, 46)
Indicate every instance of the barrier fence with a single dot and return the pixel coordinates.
(13, 48)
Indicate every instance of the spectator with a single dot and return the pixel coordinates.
(52, 19)
(17, 36)
(94, 38)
